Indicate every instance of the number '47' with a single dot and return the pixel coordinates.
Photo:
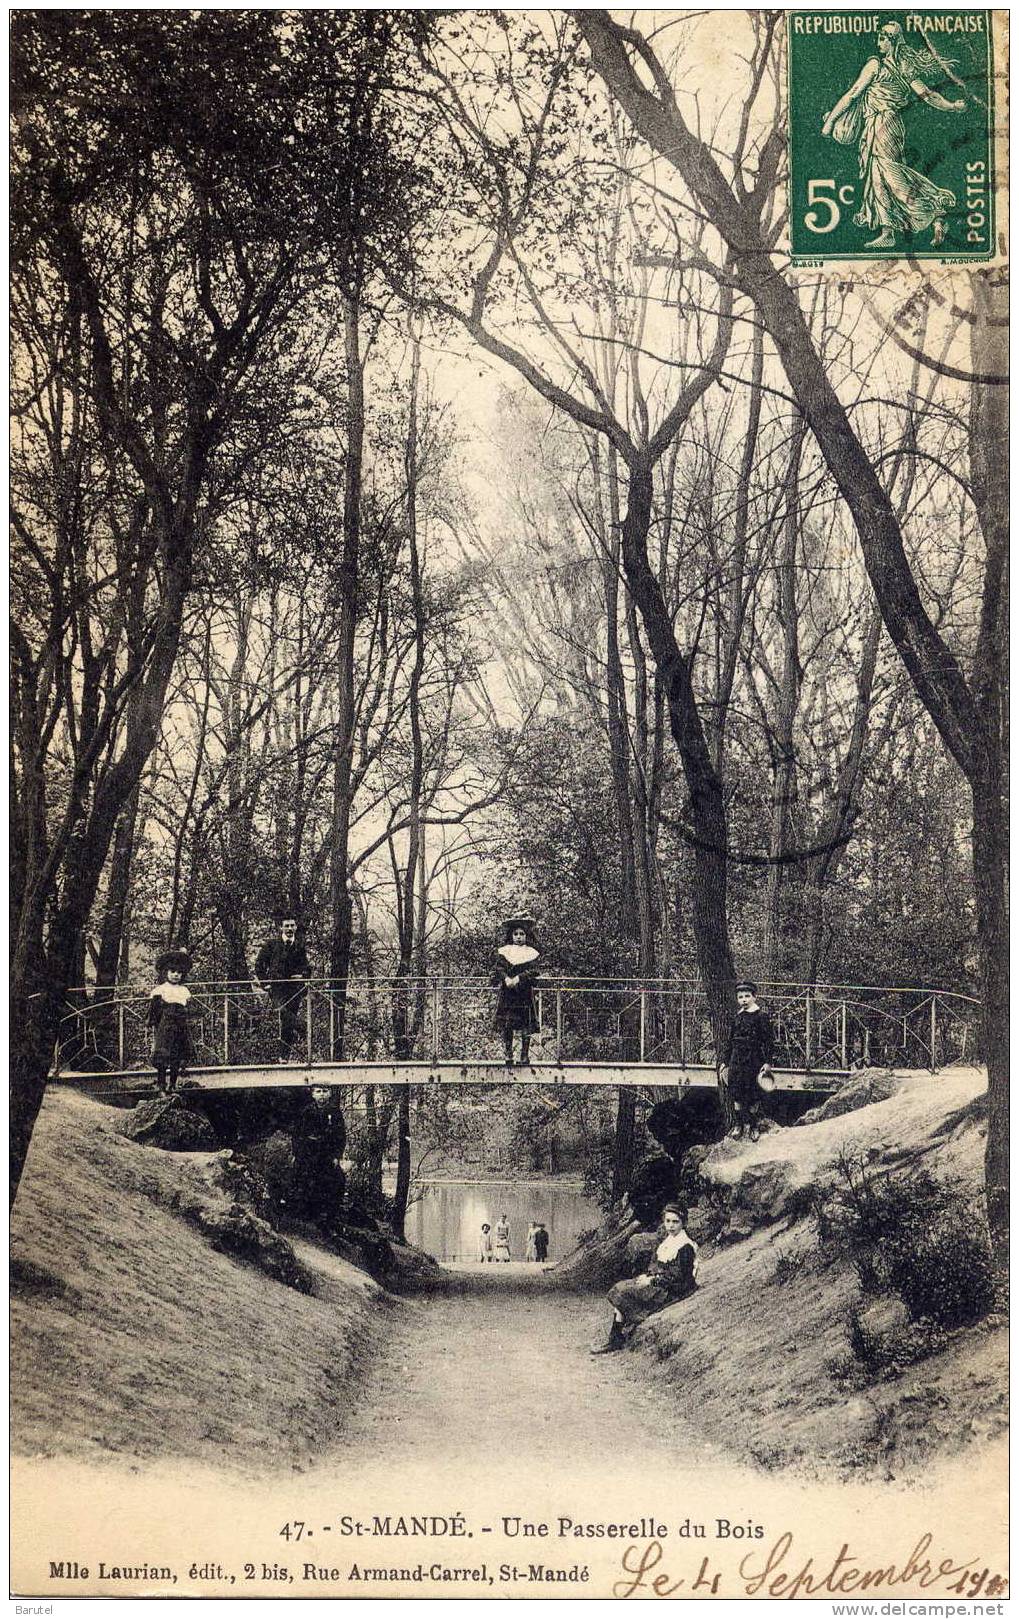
(820, 223)
(293, 1530)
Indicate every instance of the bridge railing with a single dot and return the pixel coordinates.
(824, 1029)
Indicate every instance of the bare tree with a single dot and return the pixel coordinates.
(966, 708)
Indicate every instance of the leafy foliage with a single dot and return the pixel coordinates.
(911, 1235)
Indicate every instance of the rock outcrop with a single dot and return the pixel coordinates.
(242, 1235)
(168, 1122)
(874, 1085)
(882, 1119)
(605, 1256)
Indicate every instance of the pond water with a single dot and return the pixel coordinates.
(446, 1217)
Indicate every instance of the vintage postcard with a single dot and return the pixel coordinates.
(509, 1065)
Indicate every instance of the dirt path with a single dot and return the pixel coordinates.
(497, 1364)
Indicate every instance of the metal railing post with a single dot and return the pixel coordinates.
(844, 1036)
(809, 1029)
(934, 1033)
(121, 1037)
(559, 1025)
(332, 1025)
(307, 1026)
(226, 1029)
(643, 1023)
(435, 1021)
(682, 1026)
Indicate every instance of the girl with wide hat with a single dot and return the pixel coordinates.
(170, 1013)
(516, 975)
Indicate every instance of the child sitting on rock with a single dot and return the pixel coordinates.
(671, 1275)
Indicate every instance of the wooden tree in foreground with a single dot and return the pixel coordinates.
(171, 211)
(514, 195)
(968, 708)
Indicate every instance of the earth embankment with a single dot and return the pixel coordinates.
(762, 1350)
(134, 1336)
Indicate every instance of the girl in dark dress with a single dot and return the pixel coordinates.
(671, 1275)
(516, 974)
(170, 1013)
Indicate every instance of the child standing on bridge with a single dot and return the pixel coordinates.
(516, 974)
(170, 1013)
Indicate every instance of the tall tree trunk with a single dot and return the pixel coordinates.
(341, 917)
(787, 704)
(707, 831)
(615, 690)
(989, 470)
(410, 922)
(42, 963)
(834, 830)
(738, 593)
(111, 937)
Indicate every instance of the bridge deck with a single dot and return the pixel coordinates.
(485, 1073)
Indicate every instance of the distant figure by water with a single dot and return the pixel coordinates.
(516, 975)
(485, 1254)
(502, 1238)
(531, 1252)
(541, 1244)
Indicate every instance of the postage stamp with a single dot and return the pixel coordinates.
(891, 118)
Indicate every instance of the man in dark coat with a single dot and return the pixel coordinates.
(748, 1054)
(319, 1137)
(280, 970)
(541, 1244)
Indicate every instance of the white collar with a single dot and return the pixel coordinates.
(175, 994)
(518, 954)
(669, 1247)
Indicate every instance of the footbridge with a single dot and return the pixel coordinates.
(649, 1033)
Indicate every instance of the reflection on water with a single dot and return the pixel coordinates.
(446, 1218)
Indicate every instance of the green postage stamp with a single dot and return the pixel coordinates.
(891, 135)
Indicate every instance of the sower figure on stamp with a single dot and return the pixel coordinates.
(516, 974)
(670, 1276)
(280, 970)
(895, 197)
(748, 1055)
(170, 1013)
